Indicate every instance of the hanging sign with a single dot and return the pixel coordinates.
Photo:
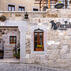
(59, 5)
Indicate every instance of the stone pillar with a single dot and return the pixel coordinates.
(22, 42)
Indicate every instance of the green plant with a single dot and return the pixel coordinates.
(39, 46)
(17, 54)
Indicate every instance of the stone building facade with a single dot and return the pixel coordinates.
(32, 5)
(40, 42)
(17, 5)
(7, 36)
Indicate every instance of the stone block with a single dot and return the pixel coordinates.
(65, 49)
(54, 55)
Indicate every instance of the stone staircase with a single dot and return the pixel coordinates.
(8, 52)
(27, 67)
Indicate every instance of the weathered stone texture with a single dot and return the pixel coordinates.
(58, 48)
(57, 43)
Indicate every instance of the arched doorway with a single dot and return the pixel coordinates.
(38, 40)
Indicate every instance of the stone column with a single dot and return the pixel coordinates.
(22, 30)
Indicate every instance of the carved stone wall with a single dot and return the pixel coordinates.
(57, 51)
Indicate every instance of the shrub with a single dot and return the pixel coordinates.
(17, 54)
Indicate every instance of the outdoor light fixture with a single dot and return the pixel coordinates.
(65, 22)
(59, 5)
(26, 15)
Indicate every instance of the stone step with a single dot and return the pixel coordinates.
(8, 48)
(8, 54)
(8, 51)
(8, 57)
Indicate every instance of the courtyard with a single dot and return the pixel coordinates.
(10, 66)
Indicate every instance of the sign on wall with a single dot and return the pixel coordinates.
(59, 25)
(59, 5)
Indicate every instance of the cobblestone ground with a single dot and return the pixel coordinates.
(25, 67)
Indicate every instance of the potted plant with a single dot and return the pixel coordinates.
(17, 54)
(39, 46)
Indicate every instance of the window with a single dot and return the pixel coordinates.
(11, 7)
(34, 9)
(21, 8)
(13, 39)
(38, 40)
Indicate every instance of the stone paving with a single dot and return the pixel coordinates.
(25, 67)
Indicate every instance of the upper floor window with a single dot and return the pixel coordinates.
(35, 9)
(21, 8)
(13, 39)
(11, 7)
(38, 40)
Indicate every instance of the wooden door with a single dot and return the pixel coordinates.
(38, 41)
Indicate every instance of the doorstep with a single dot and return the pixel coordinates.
(10, 60)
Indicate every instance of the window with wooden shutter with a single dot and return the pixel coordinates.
(13, 39)
(38, 40)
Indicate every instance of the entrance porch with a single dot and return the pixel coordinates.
(9, 42)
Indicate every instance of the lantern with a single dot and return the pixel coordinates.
(26, 16)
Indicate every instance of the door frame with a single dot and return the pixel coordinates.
(2, 51)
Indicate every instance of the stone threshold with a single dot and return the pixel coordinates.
(12, 60)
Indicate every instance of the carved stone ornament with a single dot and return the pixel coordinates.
(2, 18)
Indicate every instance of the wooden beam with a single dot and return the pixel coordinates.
(65, 3)
(40, 4)
(48, 4)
